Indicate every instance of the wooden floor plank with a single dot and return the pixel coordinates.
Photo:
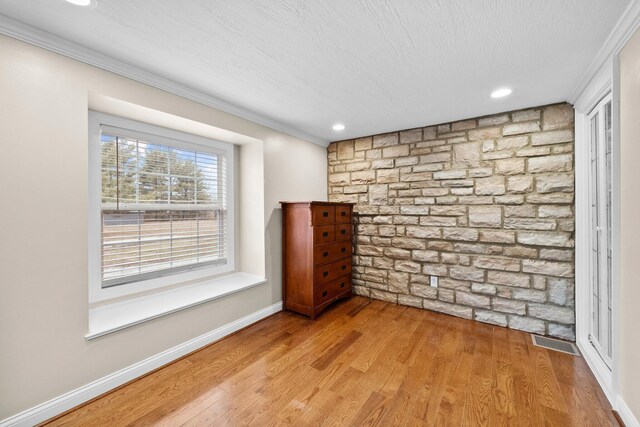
(362, 362)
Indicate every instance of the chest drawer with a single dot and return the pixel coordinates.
(334, 288)
(343, 214)
(328, 272)
(324, 254)
(324, 234)
(324, 215)
(343, 231)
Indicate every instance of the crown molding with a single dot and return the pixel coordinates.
(40, 38)
(618, 37)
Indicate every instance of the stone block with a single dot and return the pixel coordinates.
(553, 313)
(410, 300)
(508, 306)
(497, 263)
(450, 174)
(558, 116)
(491, 317)
(557, 163)
(525, 115)
(345, 150)
(552, 137)
(467, 273)
(520, 128)
(453, 309)
(562, 182)
(408, 266)
(464, 234)
(497, 236)
(466, 155)
(520, 184)
(485, 216)
(384, 296)
(493, 120)
(510, 166)
(541, 238)
(395, 151)
(411, 135)
(428, 256)
(485, 133)
(424, 291)
(518, 280)
(494, 185)
(474, 300)
(385, 140)
(483, 288)
(535, 326)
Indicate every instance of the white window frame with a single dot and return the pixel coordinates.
(170, 137)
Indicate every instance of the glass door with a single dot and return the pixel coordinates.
(600, 330)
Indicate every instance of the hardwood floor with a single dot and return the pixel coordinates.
(363, 362)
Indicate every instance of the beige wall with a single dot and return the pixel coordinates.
(629, 339)
(43, 254)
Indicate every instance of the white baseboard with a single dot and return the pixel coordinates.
(69, 400)
(625, 413)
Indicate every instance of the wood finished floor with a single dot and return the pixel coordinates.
(362, 362)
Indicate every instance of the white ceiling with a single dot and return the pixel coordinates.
(374, 65)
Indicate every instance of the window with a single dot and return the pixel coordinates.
(161, 206)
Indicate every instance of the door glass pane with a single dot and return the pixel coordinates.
(595, 227)
(609, 192)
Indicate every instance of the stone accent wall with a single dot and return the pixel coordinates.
(485, 204)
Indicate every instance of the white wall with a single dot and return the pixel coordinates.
(629, 340)
(43, 237)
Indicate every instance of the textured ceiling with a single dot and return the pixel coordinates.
(376, 65)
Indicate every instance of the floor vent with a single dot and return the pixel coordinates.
(553, 344)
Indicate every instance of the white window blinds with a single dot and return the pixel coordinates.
(164, 206)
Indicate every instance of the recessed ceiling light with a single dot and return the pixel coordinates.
(83, 2)
(501, 93)
(338, 127)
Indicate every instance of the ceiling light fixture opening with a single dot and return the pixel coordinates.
(85, 3)
(501, 93)
(338, 127)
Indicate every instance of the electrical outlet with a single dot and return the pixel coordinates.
(434, 281)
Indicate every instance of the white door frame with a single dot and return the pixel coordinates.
(600, 86)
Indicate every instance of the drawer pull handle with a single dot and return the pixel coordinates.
(324, 293)
(344, 267)
(343, 231)
(343, 213)
(325, 233)
(325, 273)
(342, 285)
(325, 214)
(344, 250)
(325, 254)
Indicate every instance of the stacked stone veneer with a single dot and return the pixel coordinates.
(484, 204)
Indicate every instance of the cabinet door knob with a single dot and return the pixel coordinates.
(344, 267)
(343, 231)
(325, 273)
(325, 233)
(344, 250)
(325, 214)
(342, 285)
(343, 213)
(325, 254)
(324, 293)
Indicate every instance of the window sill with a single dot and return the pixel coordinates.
(120, 315)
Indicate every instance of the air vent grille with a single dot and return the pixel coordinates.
(553, 344)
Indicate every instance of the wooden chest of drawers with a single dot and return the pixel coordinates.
(316, 255)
